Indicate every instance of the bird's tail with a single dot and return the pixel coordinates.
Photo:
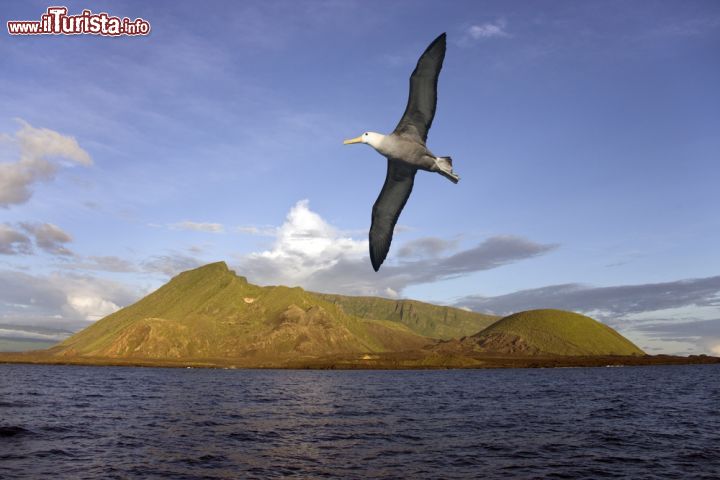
(444, 166)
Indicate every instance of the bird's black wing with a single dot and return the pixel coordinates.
(420, 109)
(395, 192)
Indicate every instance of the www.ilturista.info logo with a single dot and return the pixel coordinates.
(56, 21)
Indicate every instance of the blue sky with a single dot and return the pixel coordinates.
(587, 136)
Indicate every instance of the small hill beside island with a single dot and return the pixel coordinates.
(547, 332)
(212, 317)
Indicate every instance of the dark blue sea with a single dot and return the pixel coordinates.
(145, 423)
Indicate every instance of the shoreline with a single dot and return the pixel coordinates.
(394, 361)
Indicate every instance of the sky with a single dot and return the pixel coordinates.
(586, 135)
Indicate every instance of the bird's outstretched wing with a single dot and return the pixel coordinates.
(395, 192)
(420, 109)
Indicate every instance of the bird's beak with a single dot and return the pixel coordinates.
(353, 140)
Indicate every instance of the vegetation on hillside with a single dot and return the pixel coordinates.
(210, 312)
(551, 332)
(425, 319)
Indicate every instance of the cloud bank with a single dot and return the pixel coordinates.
(705, 333)
(609, 301)
(311, 253)
(60, 300)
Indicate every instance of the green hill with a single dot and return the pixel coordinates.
(428, 320)
(549, 332)
(210, 312)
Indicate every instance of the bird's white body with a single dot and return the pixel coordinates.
(409, 151)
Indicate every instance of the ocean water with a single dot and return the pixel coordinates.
(117, 422)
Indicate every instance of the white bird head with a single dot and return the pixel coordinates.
(371, 138)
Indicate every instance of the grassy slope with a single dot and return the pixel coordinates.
(560, 332)
(425, 319)
(210, 312)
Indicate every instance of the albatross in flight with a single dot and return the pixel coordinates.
(406, 151)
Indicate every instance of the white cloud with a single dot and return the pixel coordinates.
(91, 298)
(391, 293)
(487, 30)
(42, 153)
(304, 244)
(92, 307)
(198, 226)
(38, 143)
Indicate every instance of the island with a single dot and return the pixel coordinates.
(211, 317)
